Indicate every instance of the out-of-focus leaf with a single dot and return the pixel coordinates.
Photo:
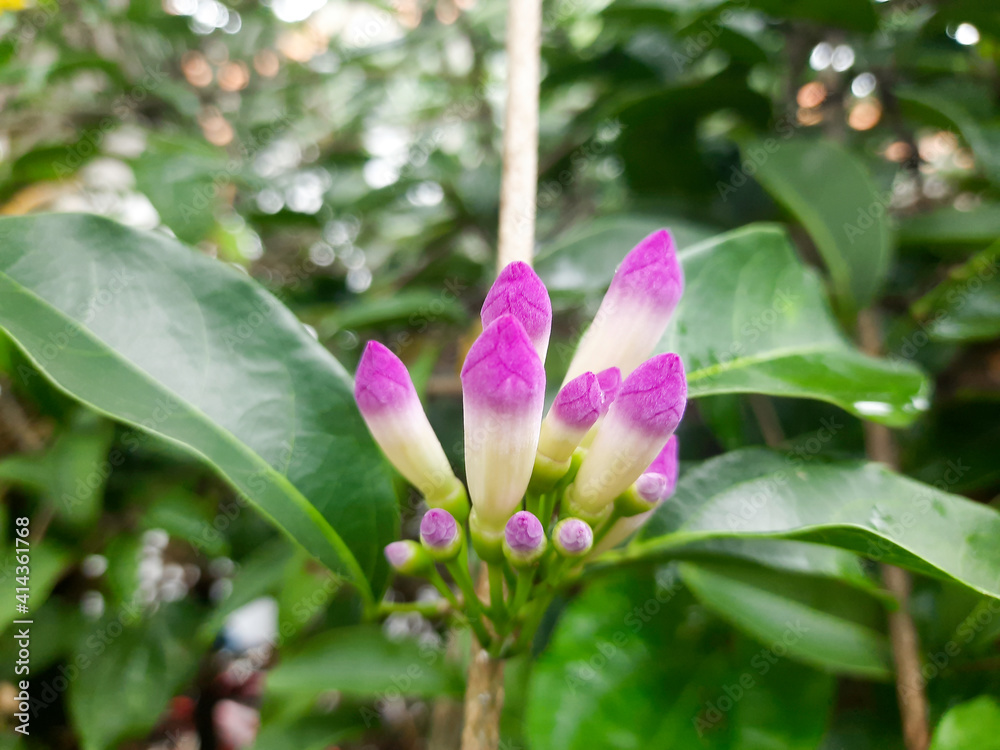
(956, 447)
(583, 260)
(633, 664)
(818, 621)
(827, 188)
(151, 333)
(418, 309)
(966, 306)
(861, 507)
(47, 562)
(310, 733)
(362, 661)
(975, 724)
(140, 662)
(949, 226)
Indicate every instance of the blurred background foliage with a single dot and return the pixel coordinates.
(345, 154)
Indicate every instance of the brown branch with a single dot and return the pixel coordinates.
(519, 182)
(881, 447)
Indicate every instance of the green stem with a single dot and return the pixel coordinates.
(606, 526)
(439, 583)
(427, 609)
(524, 580)
(532, 500)
(498, 611)
(545, 507)
(531, 623)
(472, 604)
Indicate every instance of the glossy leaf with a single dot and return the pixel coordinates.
(827, 188)
(753, 319)
(155, 335)
(975, 724)
(362, 661)
(816, 621)
(633, 664)
(857, 506)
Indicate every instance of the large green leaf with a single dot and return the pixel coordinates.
(635, 663)
(975, 724)
(829, 191)
(817, 621)
(155, 335)
(753, 319)
(857, 506)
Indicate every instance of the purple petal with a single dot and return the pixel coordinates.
(502, 369)
(398, 553)
(651, 487)
(666, 464)
(438, 528)
(651, 270)
(519, 292)
(610, 381)
(381, 381)
(524, 532)
(653, 397)
(575, 536)
(580, 402)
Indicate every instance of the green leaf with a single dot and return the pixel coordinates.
(140, 664)
(817, 621)
(966, 306)
(155, 335)
(753, 319)
(47, 561)
(950, 226)
(828, 189)
(634, 663)
(310, 733)
(362, 661)
(862, 507)
(975, 724)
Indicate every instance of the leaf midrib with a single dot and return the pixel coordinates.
(329, 533)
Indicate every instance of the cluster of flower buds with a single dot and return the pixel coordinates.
(546, 493)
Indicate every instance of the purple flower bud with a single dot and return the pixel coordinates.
(610, 381)
(390, 407)
(440, 533)
(636, 309)
(503, 390)
(651, 487)
(573, 537)
(407, 557)
(666, 466)
(519, 292)
(576, 409)
(648, 409)
(524, 538)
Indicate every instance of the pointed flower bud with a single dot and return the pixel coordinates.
(573, 537)
(575, 410)
(654, 485)
(519, 292)
(408, 557)
(440, 534)
(391, 409)
(636, 309)
(503, 388)
(648, 409)
(524, 539)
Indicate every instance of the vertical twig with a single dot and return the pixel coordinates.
(881, 447)
(518, 187)
(518, 184)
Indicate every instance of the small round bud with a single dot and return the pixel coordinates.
(407, 557)
(440, 534)
(573, 537)
(524, 539)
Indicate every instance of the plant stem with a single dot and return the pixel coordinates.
(881, 447)
(498, 612)
(605, 527)
(427, 609)
(441, 585)
(524, 580)
(472, 604)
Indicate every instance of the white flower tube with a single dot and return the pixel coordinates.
(635, 311)
(503, 391)
(391, 409)
(642, 418)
